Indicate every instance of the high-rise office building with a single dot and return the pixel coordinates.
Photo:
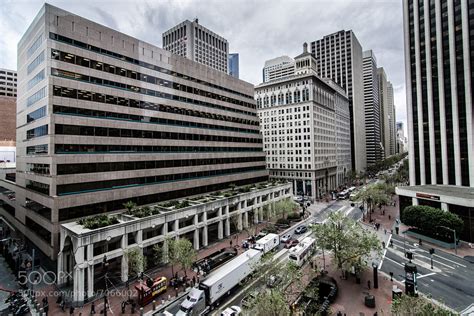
(8, 86)
(401, 139)
(339, 57)
(8, 83)
(279, 67)
(388, 131)
(195, 42)
(305, 123)
(374, 147)
(105, 118)
(234, 65)
(438, 67)
(392, 141)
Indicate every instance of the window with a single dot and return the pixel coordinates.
(36, 97)
(36, 44)
(39, 113)
(37, 150)
(37, 132)
(38, 168)
(37, 61)
(34, 81)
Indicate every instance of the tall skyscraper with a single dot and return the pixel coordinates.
(388, 133)
(339, 57)
(195, 42)
(278, 67)
(8, 86)
(438, 68)
(106, 118)
(401, 139)
(392, 119)
(373, 141)
(305, 123)
(234, 65)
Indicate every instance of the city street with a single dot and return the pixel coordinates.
(450, 280)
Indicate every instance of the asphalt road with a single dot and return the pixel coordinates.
(451, 281)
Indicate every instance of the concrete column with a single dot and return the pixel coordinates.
(196, 239)
(164, 229)
(415, 201)
(176, 227)
(140, 240)
(246, 220)
(220, 230)
(61, 271)
(255, 215)
(204, 236)
(260, 212)
(227, 227)
(239, 222)
(444, 206)
(313, 189)
(124, 245)
(78, 295)
(90, 270)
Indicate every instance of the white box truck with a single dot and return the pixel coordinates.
(220, 283)
(267, 243)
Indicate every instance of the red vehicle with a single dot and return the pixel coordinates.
(291, 243)
(150, 289)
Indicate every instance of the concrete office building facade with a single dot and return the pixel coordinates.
(373, 140)
(8, 87)
(339, 57)
(392, 119)
(197, 43)
(8, 83)
(305, 124)
(438, 67)
(279, 67)
(116, 119)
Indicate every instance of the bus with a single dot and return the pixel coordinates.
(150, 289)
(300, 254)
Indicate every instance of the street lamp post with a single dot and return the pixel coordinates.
(376, 277)
(454, 232)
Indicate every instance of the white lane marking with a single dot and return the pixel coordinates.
(385, 251)
(396, 262)
(426, 275)
(435, 255)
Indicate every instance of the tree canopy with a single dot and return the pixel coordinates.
(350, 243)
(182, 252)
(413, 306)
(429, 221)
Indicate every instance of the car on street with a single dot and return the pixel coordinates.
(285, 238)
(274, 280)
(291, 243)
(232, 311)
(301, 230)
(249, 300)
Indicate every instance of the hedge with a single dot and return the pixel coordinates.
(428, 220)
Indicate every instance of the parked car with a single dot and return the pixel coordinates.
(232, 311)
(285, 238)
(301, 230)
(249, 299)
(291, 243)
(274, 280)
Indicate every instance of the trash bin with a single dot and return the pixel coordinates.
(370, 301)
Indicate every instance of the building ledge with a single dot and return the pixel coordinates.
(452, 194)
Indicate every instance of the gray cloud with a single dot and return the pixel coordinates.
(257, 30)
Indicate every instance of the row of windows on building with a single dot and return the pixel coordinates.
(86, 95)
(135, 89)
(123, 72)
(66, 169)
(133, 149)
(140, 63)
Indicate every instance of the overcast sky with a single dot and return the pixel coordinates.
(257, 30)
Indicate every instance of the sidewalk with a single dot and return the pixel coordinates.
(116, 299)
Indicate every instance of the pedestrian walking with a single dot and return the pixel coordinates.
(420, 242)
(230, 242)
(368, 284)
(71, 310)
(93, 308)
(389, 217)
(62, 305)
(194, 280)
(383, 244)
(123, 305)
(385, 231)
